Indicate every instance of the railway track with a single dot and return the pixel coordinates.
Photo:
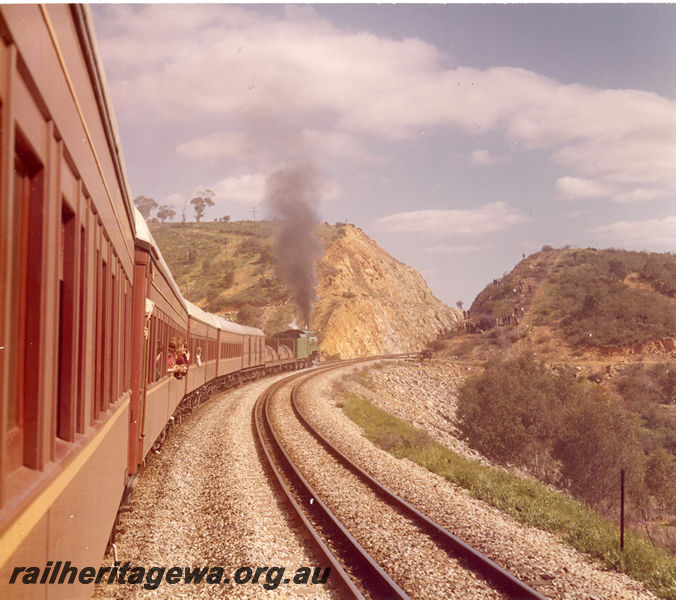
(360, 573)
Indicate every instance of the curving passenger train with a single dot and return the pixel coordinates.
(87, 309)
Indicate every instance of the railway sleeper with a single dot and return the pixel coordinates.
(188, 404)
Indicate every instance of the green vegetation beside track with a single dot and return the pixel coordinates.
(526, 500)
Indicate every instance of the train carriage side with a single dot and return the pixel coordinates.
(198, 332)
(203, 335)
(241, 347)
(230, 347)
(253, 351)
(247, 351)
(210, 350)
(165, 318)
(66, 267)
(226, 347)
(254, 343)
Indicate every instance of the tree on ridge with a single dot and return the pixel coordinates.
(201, 200)
(145, 206)
(165, 212)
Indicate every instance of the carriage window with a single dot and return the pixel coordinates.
(16, 345)
(82, 338)
(65, 416)
(24, 279)
(101, 337)
(113, 362)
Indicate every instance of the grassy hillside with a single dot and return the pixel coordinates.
(606, 318)
(229, 268)
(588, 297)
(610, 297)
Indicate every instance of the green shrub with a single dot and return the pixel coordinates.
(526, 500)
(212, 295)
(251, 245)
(595, 441)
(519, 413)
(640, 385)
(505, 412)
(249, 315)
(661, 479)
(435, 345)
(217, 305)
(587, 297)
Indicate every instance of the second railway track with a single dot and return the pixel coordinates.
(378, 545)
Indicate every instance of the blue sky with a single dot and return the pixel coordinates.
(458, 137)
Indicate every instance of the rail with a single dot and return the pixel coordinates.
(319, 519)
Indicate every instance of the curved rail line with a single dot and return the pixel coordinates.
(361, 565)
(380, 584)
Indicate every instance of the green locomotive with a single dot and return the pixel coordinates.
(303, 344)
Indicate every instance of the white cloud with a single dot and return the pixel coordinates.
(298, 84)
(574, 188)
(651, 234)
(632, 159)
(213, 148)
(578, 213)
(335, 144)
(246, 189)
(250, 189)
(640, 195)
(484, 157)
(263, 146)
(484, 219)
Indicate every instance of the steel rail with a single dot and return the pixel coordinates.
(380, 584)
(487, 568)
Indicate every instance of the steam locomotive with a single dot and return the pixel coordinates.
(87, 309)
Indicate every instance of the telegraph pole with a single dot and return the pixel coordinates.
(253, 210)
(622, 510)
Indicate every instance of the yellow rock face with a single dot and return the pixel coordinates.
(370, 303)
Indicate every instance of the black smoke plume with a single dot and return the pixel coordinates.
(292, 196)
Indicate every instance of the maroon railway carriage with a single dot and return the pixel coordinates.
(161, 314)
(86, 300)
(87, 308)
(66, 277)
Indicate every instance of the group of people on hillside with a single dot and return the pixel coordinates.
(511, 319)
